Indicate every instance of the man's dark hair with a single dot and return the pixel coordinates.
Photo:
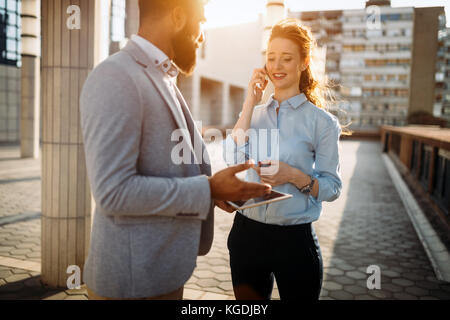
(158, 8)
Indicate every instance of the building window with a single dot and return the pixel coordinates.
(10, 32)
(118, 13)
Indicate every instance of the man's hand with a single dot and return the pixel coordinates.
(226, 186)
(224, 206)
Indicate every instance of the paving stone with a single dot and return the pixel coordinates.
(218, 262)
(207, 283)
(356, 275)
(275, 295)
(418, 292)
(26, 246)
(332, 286)
(390, 273)
(204, 274)
(19, 252)
(20, 271)
(402, 282)
(380, 294)
(364, 297)
(33, 282)
(227, 285)
(16, 278)
(341, 295)
(404, 296)
(214, 296)
(221, 269)
(334, 272)
(57, 296)
(355, 290)
(5, 274)
(193, 286)
(215, 289)
(324, 292)
(34, 255)
(344, 280)
(190, 294)
(345, 267)
(74, 292)
(391, 287)
(223, 277)
(427, 285)
(413, 276)
(11, 287)
(76, 297)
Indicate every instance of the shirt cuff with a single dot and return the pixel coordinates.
(205, 190)
(197, 204)
(326, 192)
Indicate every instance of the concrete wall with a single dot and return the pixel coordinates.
(132, 20)
(231, 53)
(216, 91)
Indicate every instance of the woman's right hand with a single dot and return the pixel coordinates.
(256, 87)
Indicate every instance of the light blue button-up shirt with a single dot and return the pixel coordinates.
(303, 136)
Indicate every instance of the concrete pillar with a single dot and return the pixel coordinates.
(30, 79)
(190, 88)
(226, 106)
(275, 12)
(132, 18)
(68, 55)
(196, 87)
(424, 56)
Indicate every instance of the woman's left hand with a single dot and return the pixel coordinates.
(274, 172)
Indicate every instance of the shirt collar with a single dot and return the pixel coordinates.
(159, 59)
(294, 102)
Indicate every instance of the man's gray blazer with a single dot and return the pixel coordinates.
(153, 216)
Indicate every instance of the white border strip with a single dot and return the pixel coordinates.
(436, 251)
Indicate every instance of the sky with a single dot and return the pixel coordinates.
(227, 12)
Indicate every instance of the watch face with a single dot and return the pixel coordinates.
(306, 190)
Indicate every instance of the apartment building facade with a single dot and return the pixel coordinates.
(442, 92)
(371, 60)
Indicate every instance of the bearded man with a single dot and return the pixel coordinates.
(153, 215)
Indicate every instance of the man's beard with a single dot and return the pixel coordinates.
(185, 49)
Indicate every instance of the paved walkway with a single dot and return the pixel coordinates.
(367, 225)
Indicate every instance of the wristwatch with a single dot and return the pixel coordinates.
(308, 188)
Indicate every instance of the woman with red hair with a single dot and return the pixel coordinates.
(278, 240)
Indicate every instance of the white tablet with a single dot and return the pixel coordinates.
(255, 202)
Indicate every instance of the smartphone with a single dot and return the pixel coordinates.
(259, 85)
(263, 165)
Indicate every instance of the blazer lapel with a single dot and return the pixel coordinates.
(196, 136)
(153, 74)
